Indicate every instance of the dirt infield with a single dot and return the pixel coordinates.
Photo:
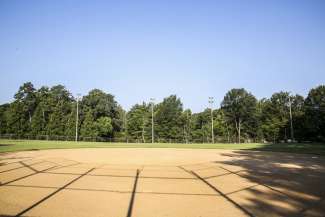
(161, 182)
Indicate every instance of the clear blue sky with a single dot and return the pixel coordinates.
(142, 49)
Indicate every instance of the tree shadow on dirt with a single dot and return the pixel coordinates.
(289, 184)
(302, 148)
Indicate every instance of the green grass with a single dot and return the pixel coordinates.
(25, 145)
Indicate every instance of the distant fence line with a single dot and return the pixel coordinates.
(121, 139)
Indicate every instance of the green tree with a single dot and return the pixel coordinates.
(52, 111)
(139, 122)
(70, 129)
(168, 119)
(88, 127)
(239, 107)
(220, 127)
(93, 128)
(40, 116)
(201, 126)
(275, 116)
(20, 111)
(104, 126)
(4, 109)
(101, 104)
(187, 126)
(59, 102)
(26, 95)
(315, 114)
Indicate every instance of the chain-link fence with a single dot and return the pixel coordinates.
(126, 139)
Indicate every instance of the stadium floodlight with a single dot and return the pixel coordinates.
(77, 116)
(152, 101)
(211, 101)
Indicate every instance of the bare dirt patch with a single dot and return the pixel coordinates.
(161, 182)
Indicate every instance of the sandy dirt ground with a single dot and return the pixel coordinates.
(160, 183)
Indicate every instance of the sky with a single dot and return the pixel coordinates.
(137, 50)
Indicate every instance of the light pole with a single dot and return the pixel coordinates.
(77, 116)
(211, 109)
(126, 127)
(187, 128)
(152, 100)
(290, 113)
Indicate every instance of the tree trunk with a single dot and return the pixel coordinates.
(239, 131)
(30, 117)
(238, 126)
(228, 139)
(43, 115)
(142, 134)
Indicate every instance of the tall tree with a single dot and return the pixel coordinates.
(315, 114)
(21, 110)
(275, 116)
(40, 117)
(168, 119)
(138, 123)
(240, 108)
(99, 104)
(187, 127)
(201, 126)
(59, 101)
(26, 95)
(4, 109)
(88, 127)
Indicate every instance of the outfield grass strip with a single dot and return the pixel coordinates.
(35, 145)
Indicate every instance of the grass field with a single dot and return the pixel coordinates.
(25, 145)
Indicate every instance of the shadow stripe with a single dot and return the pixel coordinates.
(2, 184)
(133, 195)
(124, 176)
(223, 195)
(115, 191)
(41, 171)
(260, 183)
(228, 173)
(53, 193)
(306, 204)
(20, 166)
(29, 167)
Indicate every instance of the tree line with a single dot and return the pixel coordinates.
(52, 111)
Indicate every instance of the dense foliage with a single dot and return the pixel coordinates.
(50, 112)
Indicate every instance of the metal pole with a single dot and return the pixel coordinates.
(291, 124)
(188, 128)
(152, 122)
(77, 117)
(211, 109)
(125, 127)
